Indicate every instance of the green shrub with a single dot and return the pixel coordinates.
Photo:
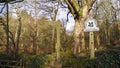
(37, 61)
(105, 59)
(108, 58)
(70, 60)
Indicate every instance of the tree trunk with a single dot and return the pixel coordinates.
(7, 30)
(98, 40)
(35, 47)
(53, 39)
(107, 32)
(78, 30)
(18, 32)
(83, 40)
(58, 45)
(17, 37)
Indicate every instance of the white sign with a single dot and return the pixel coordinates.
(91, 25)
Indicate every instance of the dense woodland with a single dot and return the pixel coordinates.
(43, 42)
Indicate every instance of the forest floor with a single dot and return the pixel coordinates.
(106, 57)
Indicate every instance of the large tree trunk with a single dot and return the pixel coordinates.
(77, 32)
(80, 10)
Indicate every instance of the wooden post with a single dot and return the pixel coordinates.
(91, 45)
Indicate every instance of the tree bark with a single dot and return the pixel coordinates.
(83, 41)
(7, 30)
(58, 45)
(18, 31)
(17, 38)
(78, 30)
(98, 40)
(53, 39)
(35, 47)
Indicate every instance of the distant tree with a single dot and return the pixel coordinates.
(18, 30)
(2, 32)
